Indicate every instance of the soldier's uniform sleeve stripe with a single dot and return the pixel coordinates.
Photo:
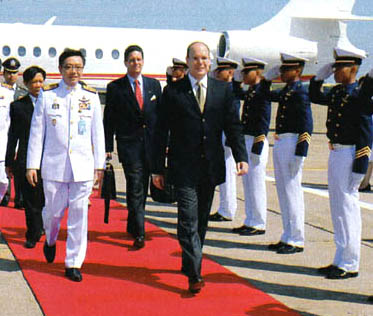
(305, 137)
(259, 138)
(366, 151)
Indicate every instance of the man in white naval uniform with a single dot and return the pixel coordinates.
(349, 130)
(67, 142)
(6, 97)
(227, 191)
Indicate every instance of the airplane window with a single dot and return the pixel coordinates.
(21, 51)
(52, 52)
(6, 50)
(84, 52)
(99, 53)
(115, 54)
(37, 51)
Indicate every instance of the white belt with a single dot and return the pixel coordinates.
(340, 146)
(286, 135)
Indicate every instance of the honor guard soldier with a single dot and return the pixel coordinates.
(227, 190)
(294, 127)
(11, 69)
(349, 130)
(6, 97)
(65, 127)
(256, 116)
(177, 71)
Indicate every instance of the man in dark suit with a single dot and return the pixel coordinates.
(130, 114)
(20, 122)
(194, 112)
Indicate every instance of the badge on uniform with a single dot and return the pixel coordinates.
(1, 97)
(55, 105)
(82, 127)
(54, 122)
(84, 104)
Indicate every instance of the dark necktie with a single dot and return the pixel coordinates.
(138, 94)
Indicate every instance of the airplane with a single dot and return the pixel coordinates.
(305, 28)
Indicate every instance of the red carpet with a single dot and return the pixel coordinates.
(119, 281)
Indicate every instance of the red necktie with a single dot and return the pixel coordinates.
(138, 94)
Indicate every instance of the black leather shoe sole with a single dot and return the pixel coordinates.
(277, 246)
(29, 244)
(237, 230)
(340, 274)
(326, 270)
(218, 218)
(49, 252)
(73, 274)
(288, 249)
(196, 286)
(251, 231)
(139, 242)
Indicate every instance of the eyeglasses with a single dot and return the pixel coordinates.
(73, 67)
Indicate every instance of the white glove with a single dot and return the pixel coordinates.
(255, 159)
(355, 181)
(169, 70)
(272, 73)
(324, 72)
(295, 165)
(237, 76)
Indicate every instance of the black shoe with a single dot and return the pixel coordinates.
(370, 299)
(218, 218)
(338, 274)
(252, 231)
(276, 246)
(289, 249)
(29, 244)
(237, 230)
(139, 242)
(49, 252)
(5, 200)
(195, 286)
(366, 189)
(326, 270)
(73, 274)
(19, 206)
(183, 271)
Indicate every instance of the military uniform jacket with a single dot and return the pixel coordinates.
(294, 114)
(67, 128)
(349, 119)
(123, 118)
(19, 131)
(256, 112)
(195, 136)
(6, 97)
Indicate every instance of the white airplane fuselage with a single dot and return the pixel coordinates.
(310, 29)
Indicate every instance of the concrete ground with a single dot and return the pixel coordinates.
(291, 279)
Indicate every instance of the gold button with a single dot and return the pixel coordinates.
(330, 110)
(339, 114)
(342, 105)
(336, 135)
(144, 126)
(282, 116)
(329, 120)
(71, 122)
(337, 125)
(71, 137)
(204, 137)
(284, 107)
(280, 125)
(71, 151)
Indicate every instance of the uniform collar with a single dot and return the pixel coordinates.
(194, 81)
(68, 88)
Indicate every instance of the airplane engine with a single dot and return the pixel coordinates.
(265, 46)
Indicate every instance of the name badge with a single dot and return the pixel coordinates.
(82, 127)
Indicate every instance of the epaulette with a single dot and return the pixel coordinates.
(5, 85)
(87, 88)
(51, 86)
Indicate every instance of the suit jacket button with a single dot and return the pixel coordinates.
(202, 156)
(144, 126)
(203, 120)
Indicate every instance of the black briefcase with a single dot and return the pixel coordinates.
(167, 195)
(108, 189)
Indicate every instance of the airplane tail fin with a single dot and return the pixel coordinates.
(319, 21)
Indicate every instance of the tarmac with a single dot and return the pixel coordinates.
(291, 279)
